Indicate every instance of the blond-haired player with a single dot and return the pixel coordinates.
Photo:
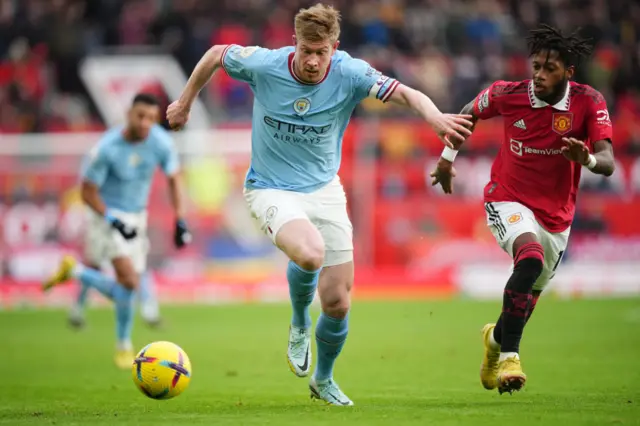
(304, 97)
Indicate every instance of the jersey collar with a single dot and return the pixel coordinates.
(562, 105)
(295, 77)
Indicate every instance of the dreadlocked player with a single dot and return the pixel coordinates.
(553, 128)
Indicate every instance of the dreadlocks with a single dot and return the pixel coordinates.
(571, 49)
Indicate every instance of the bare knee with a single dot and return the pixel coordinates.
(302, 243)
(334, 289)
(129, 281)
(310, 257)
(337, 307)
(126, 274)
(128, 278)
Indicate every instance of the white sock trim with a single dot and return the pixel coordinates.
(77, 269)
(505, 355)
(492, 341)
(125, 345)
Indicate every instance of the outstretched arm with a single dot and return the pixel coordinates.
(444, 171)
(451, 128)
(178, 111)
(467, 110)
(202, 73)
(600, 130)
(176, 195)
(601, 162)
(90, 194)
(603, 153)
(181, 235)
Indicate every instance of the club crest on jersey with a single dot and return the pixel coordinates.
(134, 160)
(562, 122)
(301, 106)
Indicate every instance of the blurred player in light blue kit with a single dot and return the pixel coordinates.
(304, 97)
(147, 296)
(115, 186)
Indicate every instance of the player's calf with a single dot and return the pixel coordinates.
(303, 244)
(528, 263)
(496, 334)
(333, 325)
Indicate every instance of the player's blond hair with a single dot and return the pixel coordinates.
(318, 23)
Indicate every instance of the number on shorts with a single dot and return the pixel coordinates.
(558, 261)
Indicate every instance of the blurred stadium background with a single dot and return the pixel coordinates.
(69, 68)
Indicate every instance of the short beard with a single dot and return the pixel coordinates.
(557, 92)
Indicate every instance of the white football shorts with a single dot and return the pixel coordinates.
(103, 243)
(326, 208)
(508, 220)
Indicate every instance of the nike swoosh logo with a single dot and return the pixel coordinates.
(304, 366)
(338, 399)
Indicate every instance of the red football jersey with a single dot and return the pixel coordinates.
(529, 168)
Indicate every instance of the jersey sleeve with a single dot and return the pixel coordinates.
(242, 63)
(169, 162)
(488, 103)
(369, 82)
(599, 125)
(96, 166)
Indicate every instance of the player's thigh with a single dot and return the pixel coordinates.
(555, 245)
(97, 240)
(282, 217)
(128, 258)
(327, 209)
(137, 250)
(511, 222)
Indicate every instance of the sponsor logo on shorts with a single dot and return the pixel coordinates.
(514, 218)
(271, 213)
(268, 217)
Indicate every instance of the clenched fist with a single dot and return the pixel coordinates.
(177, 115)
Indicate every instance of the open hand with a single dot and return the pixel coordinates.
(452, 126)
(575, 150)
(443, 175)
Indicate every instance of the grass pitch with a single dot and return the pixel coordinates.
(405, 363)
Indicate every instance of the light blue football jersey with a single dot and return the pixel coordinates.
(124, 170)
(297, 128)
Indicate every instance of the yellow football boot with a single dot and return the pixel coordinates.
(124, 359)
(510, 375)
(489, 367)
(62, 275)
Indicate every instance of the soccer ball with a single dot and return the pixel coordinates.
(161, 370)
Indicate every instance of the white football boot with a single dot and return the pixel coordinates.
(329, 392)
(299, 350)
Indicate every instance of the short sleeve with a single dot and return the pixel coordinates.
(242, 63)
(487, 103)
(96, 166)
(598, 121)
(169, 162)
(369, 82)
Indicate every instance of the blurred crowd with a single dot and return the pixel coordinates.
(450, 49)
